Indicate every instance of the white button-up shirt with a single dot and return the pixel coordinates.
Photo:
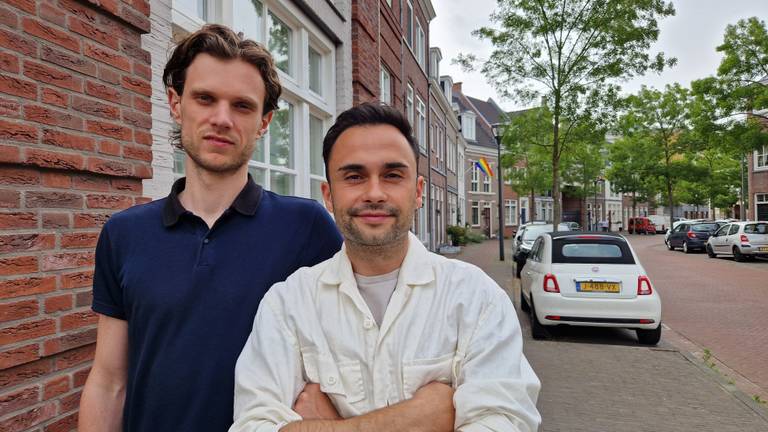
(447, 321)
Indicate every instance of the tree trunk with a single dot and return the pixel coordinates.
(532, 206)
(634, 204)
(556, 217)
(670, 200)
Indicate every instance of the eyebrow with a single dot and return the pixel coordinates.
(359, 167)
(247, 99)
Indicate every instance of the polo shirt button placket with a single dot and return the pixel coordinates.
(368, 323)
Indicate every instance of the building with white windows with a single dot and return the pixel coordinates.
(311, 44)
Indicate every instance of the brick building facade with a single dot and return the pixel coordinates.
(75, 145)
(758, 185)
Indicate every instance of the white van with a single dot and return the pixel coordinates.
(661, 222)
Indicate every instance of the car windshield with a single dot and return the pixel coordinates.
(757, 228)
(591, 250)
(534, 231)
(575, 250)
(707, 227)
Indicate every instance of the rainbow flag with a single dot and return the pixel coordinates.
(482, 164)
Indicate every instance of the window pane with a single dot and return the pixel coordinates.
(248, 18)
(259, 175)
(281, 183)
(315, 71)
(281, 136)
(178, 161)
(316, 192)
(198, 8)
(280, 43)
(316, 146)
(258, 152)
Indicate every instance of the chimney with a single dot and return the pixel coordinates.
(457, 87)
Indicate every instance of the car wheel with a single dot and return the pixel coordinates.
(649, 337)
(737, 255)
(685, 248)
(710, 252)
(523, 303)
(537, 329)
(669, 245)
(518, 269)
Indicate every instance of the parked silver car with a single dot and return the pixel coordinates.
(740, 239)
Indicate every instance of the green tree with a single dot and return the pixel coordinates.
(630, 166)
(584, 163)
(573, 53)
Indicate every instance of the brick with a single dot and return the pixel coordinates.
(142, 171)
(142, 70)
(40, 114)
(18, 265)
(77, 320)
(30, 418)
(112, 202)
(12, 288)
(92, 32)
(56, 220)
(136, 19)
(53, 76)
(12, 175)
(111, 148)
(142, 104)
(79, 240)
(19, 399)
(9, 18)
(17, 220)
(136, 52)
(107, 56)
(25, 5)
(64, 424)
(137, 120)
(67, 140)
(10, 108)
(81, 279)
(9, 199)
(58, 303)
(84, 298)
(10, 153)
(18, 43)
(70, 402)
(79, 377)
(142, 137)
(68, 60)
(50, 34)
(15, 131)
(9, 62)
(110, 130)
(67, 260)
(27, 331)
(18, 87)
(79, 10)
(109, 167)
(26, 242)
(16, 356)
(19, 310)
(90, 183)
(74, 357)
(110, 75)
(95, 108)
(105, 92)
(127, 185)
(53, 200)
(110, 6)
(56, 180)
(55, 97)
(53, 159)
(24, 372)
(90, 220)
(142, 153)
(56, 387)
(52, 14)
(142, 6)
(142, 200)
(137, 85)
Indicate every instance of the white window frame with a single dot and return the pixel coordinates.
(758, 155)
(409, 19)
(474, 210)
(510, 206)
(474, 182)
(421, 40)
(385, 84)
(409, 105)
(421, 123)
(487, 184)
(468, 125)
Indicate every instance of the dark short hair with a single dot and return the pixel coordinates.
(223, 43)
(368, 114)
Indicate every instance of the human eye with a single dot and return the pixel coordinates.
(204, 98)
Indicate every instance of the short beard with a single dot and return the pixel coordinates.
(224, 168)
(374, 244)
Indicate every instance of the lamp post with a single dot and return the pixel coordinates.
(497, 133)
(594, 206)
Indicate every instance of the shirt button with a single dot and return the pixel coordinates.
(206, 240)
(368, 324)
(331, 380)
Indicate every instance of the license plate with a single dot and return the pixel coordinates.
(763, 249)
(606, 287)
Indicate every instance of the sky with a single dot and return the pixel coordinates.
(691, 36)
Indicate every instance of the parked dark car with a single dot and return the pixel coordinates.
(691, 236)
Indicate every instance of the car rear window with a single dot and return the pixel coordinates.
(590, 251)
(709, 227)
(759, 228)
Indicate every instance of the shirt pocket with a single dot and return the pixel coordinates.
(420, 372)
(343, 379)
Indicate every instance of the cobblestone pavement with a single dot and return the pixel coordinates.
(601, 380)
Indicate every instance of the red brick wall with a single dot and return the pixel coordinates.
(74, 145)
(757, 183)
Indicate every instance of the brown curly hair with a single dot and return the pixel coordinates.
(223, 43)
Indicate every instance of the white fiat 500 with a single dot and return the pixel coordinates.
(589, 279)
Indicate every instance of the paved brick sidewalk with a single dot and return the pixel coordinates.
(600, 380)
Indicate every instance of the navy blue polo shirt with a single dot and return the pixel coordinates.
(190, 293)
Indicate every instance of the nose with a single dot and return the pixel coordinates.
(221, 116)
(374, 192)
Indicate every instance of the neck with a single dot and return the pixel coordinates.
(208, 194)
(377, 260)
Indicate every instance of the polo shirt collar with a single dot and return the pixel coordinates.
(246, 202)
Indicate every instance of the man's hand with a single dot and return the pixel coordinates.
(434, 401)
(313, 404)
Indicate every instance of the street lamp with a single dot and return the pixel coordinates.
(594, 206)
(498, 131)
